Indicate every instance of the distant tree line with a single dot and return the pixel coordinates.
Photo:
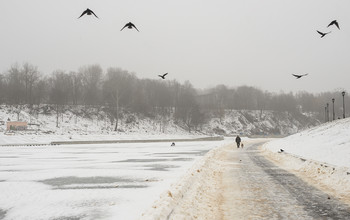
(119, 90)
(250, 98)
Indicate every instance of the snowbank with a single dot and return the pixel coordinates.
(327, 143)
(319, 155)
(193, 195)
(329, 178)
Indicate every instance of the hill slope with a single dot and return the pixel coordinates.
(81, 120)
(328, 143)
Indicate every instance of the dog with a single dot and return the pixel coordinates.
(172, 144)
(242, 145)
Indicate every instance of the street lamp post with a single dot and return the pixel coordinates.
(333, 99)
(327, 111)
(343, 94)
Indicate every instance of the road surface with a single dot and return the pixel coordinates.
(251, 187)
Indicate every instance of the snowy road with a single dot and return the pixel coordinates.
(255, 188)
(243, 184)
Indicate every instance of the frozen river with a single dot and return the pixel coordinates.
(106, 181)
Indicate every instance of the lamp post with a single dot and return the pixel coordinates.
(343, 94)
(327, 111)
(333, 99)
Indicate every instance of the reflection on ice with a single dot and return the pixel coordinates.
(70, 180)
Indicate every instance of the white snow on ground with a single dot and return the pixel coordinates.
(320, 155)
(109, 181)
(77, 120)
(191, 194)
(327, 143)
(123, 181)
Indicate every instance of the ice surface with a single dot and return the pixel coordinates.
(109, 181)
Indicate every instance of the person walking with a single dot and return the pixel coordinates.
(238, 141)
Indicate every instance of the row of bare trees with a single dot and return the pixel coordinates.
(246, 97)
(115, 89)
(119, 90)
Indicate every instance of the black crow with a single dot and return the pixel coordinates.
(163, 76)
(88, 12)
(323, 34)
(130, 26)
(299, 76)
(335, 22)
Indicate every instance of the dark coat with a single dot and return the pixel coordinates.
(238, 139)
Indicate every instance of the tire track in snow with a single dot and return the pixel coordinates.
(292, 192)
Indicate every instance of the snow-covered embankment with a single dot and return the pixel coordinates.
(194, 195)
(319, 155)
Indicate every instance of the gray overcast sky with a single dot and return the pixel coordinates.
(245, 42)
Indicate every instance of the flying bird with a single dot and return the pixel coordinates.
(88, 12)
(335, 22)
(130, 26)
(299, 76)
(163, 76)
(323, 34)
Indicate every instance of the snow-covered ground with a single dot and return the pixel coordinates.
(320, 155)
(75, 121)
(109, 181)
(123, 181)
(327, 143)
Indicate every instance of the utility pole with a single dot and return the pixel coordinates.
(343, 94)
(327, 111)
(333, 99)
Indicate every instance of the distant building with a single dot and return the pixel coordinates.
(16, 125)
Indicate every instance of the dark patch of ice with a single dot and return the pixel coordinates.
(69, 180)
(2, 214)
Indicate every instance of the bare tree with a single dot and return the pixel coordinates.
(15, 85)
(76, 87)
(186, 105)
(2, 89)
(118, 90)
(31, 76)
(91, 78)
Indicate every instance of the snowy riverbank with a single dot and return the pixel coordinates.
(152, 180)
(319, 155)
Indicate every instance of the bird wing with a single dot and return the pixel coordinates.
(331, 23)
(320, 32)
(94, 14)
(337, 24)
(305, 74)
(165, 74)
(296, 75)
(124, 27)
(83, 14)
(134, 27)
